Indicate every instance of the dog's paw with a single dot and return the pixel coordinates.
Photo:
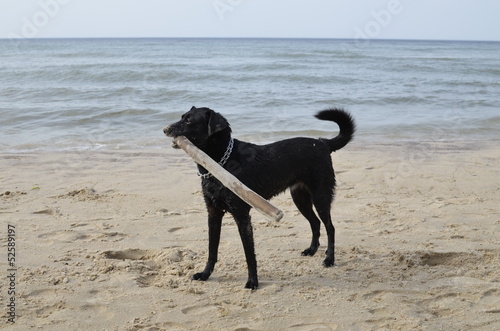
(329, 262)
(200, 276)
(252, 284)
(309, 252)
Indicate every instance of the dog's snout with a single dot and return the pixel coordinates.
(167, 130)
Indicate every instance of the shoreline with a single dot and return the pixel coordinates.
(109, 240)
(163, 143)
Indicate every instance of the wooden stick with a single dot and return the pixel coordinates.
(228, 180)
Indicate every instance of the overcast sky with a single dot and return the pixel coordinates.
(384, 19)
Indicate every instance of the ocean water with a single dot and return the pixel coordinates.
(119, 93)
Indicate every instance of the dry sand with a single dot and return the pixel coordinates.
(109, 241)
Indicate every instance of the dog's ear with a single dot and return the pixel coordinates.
(192, 108)
(216, 123)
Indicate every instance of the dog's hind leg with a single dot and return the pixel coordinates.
(322, 203)
(321, 187)
(214, 228)
(303, 200)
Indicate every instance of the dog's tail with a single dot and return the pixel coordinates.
(345, 123)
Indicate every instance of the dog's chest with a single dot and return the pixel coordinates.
(215, 192)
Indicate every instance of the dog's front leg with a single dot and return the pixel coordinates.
(214, 227)
(246, 234)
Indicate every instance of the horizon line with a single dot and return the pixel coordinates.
(262, 38)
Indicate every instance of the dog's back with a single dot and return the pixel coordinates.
(270, 169)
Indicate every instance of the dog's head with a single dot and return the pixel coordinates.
(198, 125)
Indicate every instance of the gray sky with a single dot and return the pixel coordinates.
(384, 19)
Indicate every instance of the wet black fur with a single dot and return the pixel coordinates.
(302, 164)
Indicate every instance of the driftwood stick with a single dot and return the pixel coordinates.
(228, 180)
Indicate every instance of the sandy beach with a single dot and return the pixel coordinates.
(108, 240)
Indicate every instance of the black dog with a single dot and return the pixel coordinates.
(302, 164)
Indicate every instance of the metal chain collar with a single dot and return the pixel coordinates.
(223, 160)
